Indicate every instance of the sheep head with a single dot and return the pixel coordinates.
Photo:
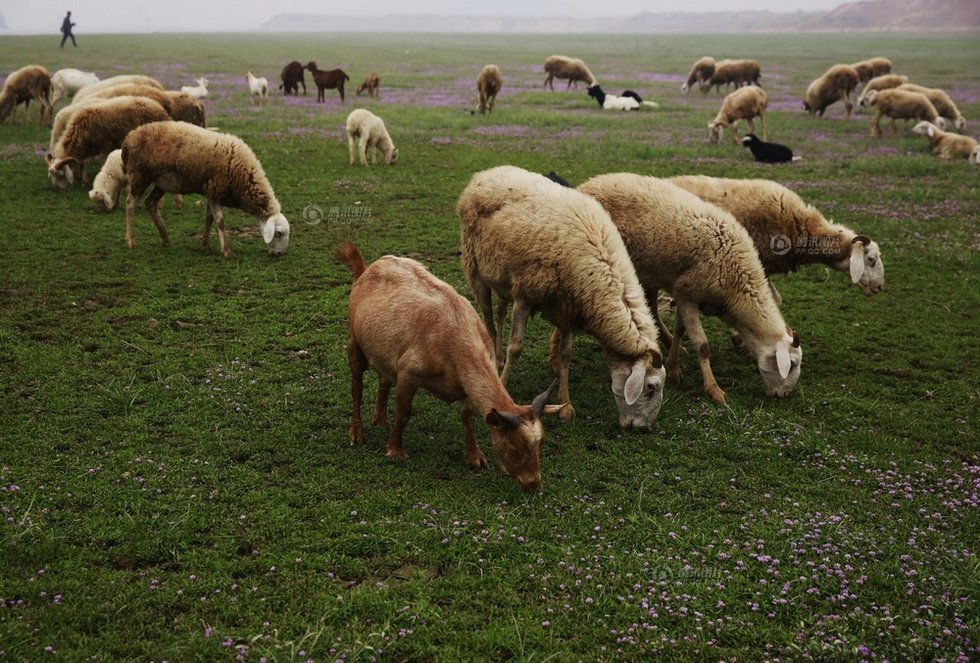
(102, 200)
(941, 123)
(925, 128)
(779, 363)
(865, 266)
(638, 388)
(63, 172)
(516, 438)
(392, 156)
(275, 232)
(715, 130)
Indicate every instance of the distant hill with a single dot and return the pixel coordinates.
(872, 15)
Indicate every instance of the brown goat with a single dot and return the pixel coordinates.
(292, 77)
(327, 80)
(488, 84)
(371, 84)
(418, 332)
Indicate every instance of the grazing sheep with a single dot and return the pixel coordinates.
(768, 152)
(67, 82)
(837, 83)
(899, 104)
(97, 129)
(701, 73)
(177, 157)
(371, 85)
(940, 101)
(259, 88)
(30, 82)
(707, 261)
(488, 84)
(550, 249)
(327, 80)
(884, 82)
(733, 72)
(370, 132)
(292, 77)
(745, 103)
(186, 108)
(198, 91)
(564, 68)
(124, 79)
(179, 105)
(868, 69)
(787, 232)
(944, 144)
(417, 332)
(110, 181)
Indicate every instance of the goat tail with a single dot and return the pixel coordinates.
(348, 254)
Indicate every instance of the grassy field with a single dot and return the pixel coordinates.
(175, 478)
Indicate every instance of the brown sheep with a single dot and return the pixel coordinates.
(701, 73)
(899, 104)
(868, 69)
(371, 85)
(733, 72)
(941, 101)
(30, 82)
(883, 82)
(292, 77)
(745, 103)
(123, 79)
(565, 68)
(488, 84)
(835, 84)
(327, 80)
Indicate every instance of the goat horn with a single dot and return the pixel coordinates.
(537, 406)
(864, 239)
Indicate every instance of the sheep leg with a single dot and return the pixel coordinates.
(674, 356)
(358, 364)
(403, 412)
(362, 148)
(131, 200)
(765, 129)
(876, 125)
(381, 405)
(664, 332)
(350, 147)
(775, 293)
(733, 127)
(518, 324)
(688, 312)
(474, 455)
(153, 207)
(560, 357)
(215, 210)
(497, 331)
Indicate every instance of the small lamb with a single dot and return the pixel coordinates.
(745, 103)
(417, 332)
(947, 145)
(371, 85)
(198, 91)
(110, 181)
(177, 157)
(258, 87)
(67, 82)
(369, 131)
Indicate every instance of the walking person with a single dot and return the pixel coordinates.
(66, 27)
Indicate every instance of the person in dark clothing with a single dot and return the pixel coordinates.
(66, 27)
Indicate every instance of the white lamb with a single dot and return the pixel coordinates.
(110, 181)
(700, 254)
(67, 82)
(550, 249)
(198, 91)
(370, 133)
(259, 88)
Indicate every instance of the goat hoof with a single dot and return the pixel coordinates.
(717, 395)
(566, 413)
(478, 461)
(396, 453)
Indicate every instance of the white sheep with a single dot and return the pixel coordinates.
(177, 157)
(745, 103)
(96, 130)
(701, 73)
(369, 132)
(835, 84)
(883, 82)
(550, 249)
(940, 101)
(566, 68)
(20, 87)
(110, 181)
(947, 145)
(417, 332)
(67, 83)
(198, 91)
(258, 87)
(787, 232)
(123, 79)
(898, 104)
(707, 261)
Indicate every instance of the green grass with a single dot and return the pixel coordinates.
(175, 479)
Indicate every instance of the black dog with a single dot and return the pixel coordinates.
(768, 152)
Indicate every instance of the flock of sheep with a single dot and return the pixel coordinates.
(590, 259)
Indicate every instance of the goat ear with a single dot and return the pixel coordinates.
(634, 383)
(268, 230)
(506, 420)
(783, 362)
(48, 159)
(857, 261)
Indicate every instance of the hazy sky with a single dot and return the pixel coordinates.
(91, 16)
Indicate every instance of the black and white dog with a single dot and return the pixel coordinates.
(768, 152)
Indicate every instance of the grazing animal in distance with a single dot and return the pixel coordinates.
(292, 77)
(371, 85)
(370, 133)
(327, 80)
(768, 152)
(488, 84)
(259, 88)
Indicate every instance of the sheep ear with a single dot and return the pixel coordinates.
(857, 261)
(782, 359)
(269, 229)
(931, 130)
(69, 172)
(634, 383)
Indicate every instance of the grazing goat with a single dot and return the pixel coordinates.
(488, 84)
(371, 85)
(259, 88)
(292, 77)
(327, 80)
(565, 68)
(547, 248)
(768, 152)
(417, 332)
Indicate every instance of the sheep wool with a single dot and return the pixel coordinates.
(23, 85)
(836, 84)
(124, 79)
